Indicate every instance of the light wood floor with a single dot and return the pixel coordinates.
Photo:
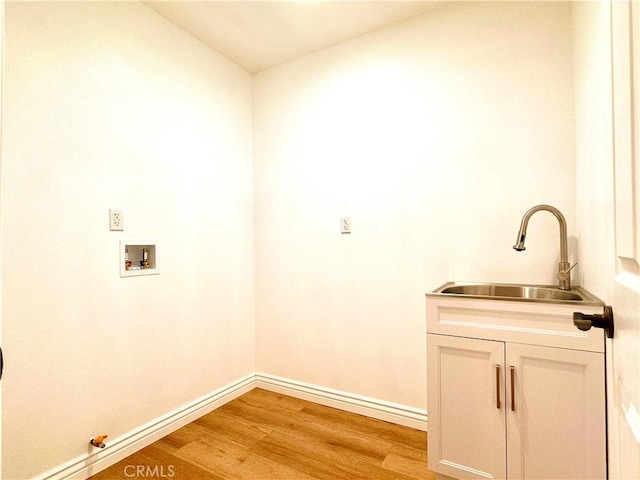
(266, 436)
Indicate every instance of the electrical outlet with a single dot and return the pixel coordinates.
(345, 224)
(116, 220)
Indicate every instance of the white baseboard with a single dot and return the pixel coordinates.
(119, 448)
(370, 407)
(96, 460)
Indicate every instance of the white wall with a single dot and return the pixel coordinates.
(109, 106)
(435, 136)
(594, 147)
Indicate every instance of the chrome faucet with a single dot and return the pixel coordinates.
(564, 269)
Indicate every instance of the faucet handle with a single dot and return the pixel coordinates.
(564, 274)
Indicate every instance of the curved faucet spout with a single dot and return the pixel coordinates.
(563, 267)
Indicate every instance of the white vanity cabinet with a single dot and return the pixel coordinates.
(515, 391)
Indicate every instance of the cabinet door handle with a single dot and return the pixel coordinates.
(498, 403)
(513, 389)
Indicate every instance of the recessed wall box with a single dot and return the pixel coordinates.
(138, 257)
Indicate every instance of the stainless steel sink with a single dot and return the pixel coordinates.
(519, 292)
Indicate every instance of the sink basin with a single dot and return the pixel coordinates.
(529, 293)
(515, 291)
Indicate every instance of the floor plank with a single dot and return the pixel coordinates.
(227, 459)
(264, 435)
(152, 462)
(408, 461)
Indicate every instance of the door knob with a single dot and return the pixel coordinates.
(585, 322)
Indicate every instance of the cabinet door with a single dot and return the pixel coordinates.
(466, 397)
(556, 414)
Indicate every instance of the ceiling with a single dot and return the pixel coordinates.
(260, 34)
